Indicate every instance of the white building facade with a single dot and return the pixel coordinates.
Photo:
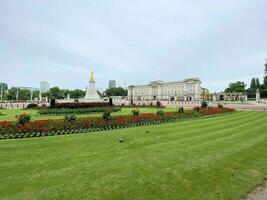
(186, 90)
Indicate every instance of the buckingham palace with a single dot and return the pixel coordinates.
(185, 90)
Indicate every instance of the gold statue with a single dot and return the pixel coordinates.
(92, 76)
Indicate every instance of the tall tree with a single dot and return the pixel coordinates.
(238, 86)
(253, 83)
(265, 77)
(258, 84)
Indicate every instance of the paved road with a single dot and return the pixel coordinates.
(259, 194)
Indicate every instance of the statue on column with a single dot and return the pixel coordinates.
(92, 78)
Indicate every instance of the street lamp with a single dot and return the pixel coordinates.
(131, 93)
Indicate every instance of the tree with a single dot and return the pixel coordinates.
(55, 93)
(76, 94)
(117, 91)
(253, 83)
(35, 94)
(258, 84)
(24, 94)
(265, 77)
(238, 86)
(64, 92)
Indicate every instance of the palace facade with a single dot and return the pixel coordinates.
(185, 90)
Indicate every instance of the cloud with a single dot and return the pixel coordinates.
(132, 41)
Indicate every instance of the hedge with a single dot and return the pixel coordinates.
(81, 105)
(77, 111)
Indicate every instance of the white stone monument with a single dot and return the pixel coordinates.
(91, 94)
(258, 96)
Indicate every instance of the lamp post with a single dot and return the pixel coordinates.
(131, 93)
(17, 95)
(1, 94)
(31, 94)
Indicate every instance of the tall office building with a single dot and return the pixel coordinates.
(111, 84)
(44, 86)
(3, 86)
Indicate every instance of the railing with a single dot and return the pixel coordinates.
(19, 105)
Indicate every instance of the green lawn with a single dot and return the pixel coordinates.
(215, 158)
(9, 114)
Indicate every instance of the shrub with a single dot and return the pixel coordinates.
(204, 104)
(197, 108)
(76, 111)
(107, 115)
(158, 103)
(23, 118)
(32, 105)
(181, 110)
(80, 105)
(70, 118)
(135, 112)
(160, 112)
(220, 105)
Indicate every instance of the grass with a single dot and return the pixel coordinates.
(9, 114)
(215, 158)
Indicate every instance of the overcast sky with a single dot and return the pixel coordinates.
(132, 41)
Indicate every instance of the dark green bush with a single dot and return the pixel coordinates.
(135, 112)
(160, 112)
(32, 105)
(107, 115)
(23, 118)
(70, 118)
(76, 111)
(181, 110)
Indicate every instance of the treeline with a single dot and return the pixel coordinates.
(117, 91)
(14, 94)
(255, 85)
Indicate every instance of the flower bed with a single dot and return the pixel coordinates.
(76, 111)
(213, 110)
(60, 126)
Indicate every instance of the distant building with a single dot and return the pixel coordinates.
(3, 86)
(44, 86)
(185, 90)
(111, 84)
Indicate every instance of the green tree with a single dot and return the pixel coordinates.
(10, 94)
(118, 91)
(258, 84)
(55, 93)
(76, 94)
(65, 92)
(253, 83)
(24, 94)
(238, 86)
(35, 94)
(265, 77)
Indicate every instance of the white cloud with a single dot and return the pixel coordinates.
(132, 41)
